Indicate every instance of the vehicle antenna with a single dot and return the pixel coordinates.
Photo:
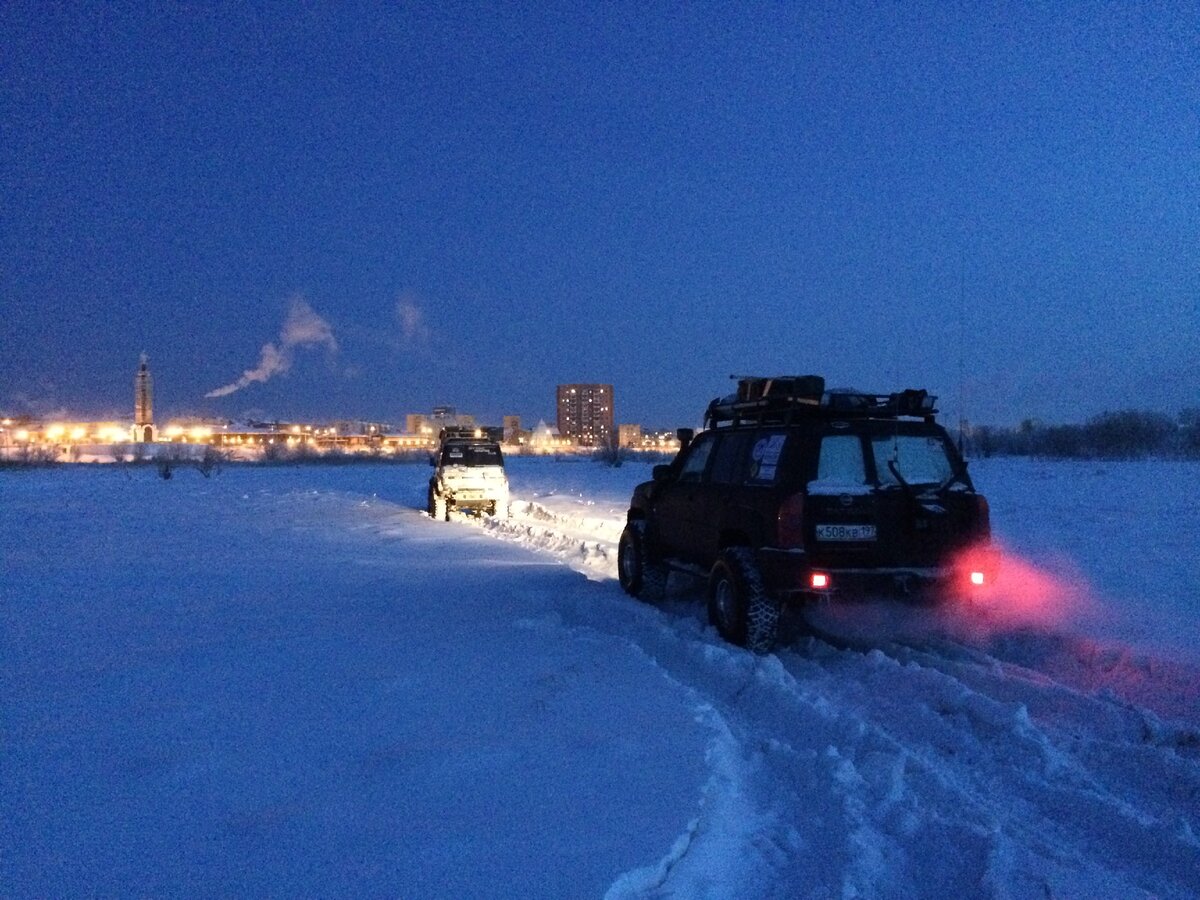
(962, 306)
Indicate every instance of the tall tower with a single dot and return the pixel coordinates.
(585, 413)
(143, 403)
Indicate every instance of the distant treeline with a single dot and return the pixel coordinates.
(1130, 434)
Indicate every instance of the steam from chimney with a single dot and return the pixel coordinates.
(302, 328)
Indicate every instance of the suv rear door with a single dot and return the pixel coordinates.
(842, 514)
(927, 507)
(885, 496)
(678, 502)
(752, 469)
(728, 485)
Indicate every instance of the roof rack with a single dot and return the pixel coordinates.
(461, 433)
(784, 399)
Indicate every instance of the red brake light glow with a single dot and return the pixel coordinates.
(977, 579)
(819, 581)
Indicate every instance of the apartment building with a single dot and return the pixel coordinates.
(585, 413)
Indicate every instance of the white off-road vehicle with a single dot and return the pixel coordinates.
(468, 476)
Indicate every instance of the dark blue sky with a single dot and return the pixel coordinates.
(468, 204)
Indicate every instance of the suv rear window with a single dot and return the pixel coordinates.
(919, 458)
(841, 466)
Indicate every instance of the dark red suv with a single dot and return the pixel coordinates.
(792, 491)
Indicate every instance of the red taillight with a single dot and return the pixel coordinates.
(790, 529)
(978, 566)
(819, 581)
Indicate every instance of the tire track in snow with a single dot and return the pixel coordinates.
(860, 766)
(584, 542)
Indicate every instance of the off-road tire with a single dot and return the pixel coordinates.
(740, 607)
(640, 576)
(437, 507)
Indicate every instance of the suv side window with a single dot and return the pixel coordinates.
(697, 460)
(766, 454)
(730, 457)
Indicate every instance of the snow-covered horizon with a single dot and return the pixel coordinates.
(290, 681)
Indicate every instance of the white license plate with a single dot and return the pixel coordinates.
(845, 532)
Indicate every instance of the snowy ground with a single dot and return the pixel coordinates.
(289, 681)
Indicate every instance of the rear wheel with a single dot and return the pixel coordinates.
(640, 576)
(437, 507)
(738, 605)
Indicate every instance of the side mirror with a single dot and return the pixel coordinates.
(661, 473)
(432, 460)
(685, 436)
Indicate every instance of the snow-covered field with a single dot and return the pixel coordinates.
(289, 681)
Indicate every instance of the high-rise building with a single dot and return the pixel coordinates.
(512, 429)
(143, 403)
(442, 417)
(629, 436)
(585, 413)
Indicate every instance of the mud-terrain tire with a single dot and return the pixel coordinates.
(738, 605)
(640, 576)
(437, 507)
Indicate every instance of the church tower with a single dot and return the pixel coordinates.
(143, 404)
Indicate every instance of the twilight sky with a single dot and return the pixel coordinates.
(363, 211)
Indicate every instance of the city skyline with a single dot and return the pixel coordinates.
(364, 211)
(143, 417)
(140, 415)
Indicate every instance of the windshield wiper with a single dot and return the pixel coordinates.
(895, 470)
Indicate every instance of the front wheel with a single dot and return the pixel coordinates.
(437, 507)
(639, 576)
(740, 607)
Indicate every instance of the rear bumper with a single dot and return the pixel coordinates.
(789, 574)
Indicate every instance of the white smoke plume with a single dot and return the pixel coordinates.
(302, 328)
(412, 320)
